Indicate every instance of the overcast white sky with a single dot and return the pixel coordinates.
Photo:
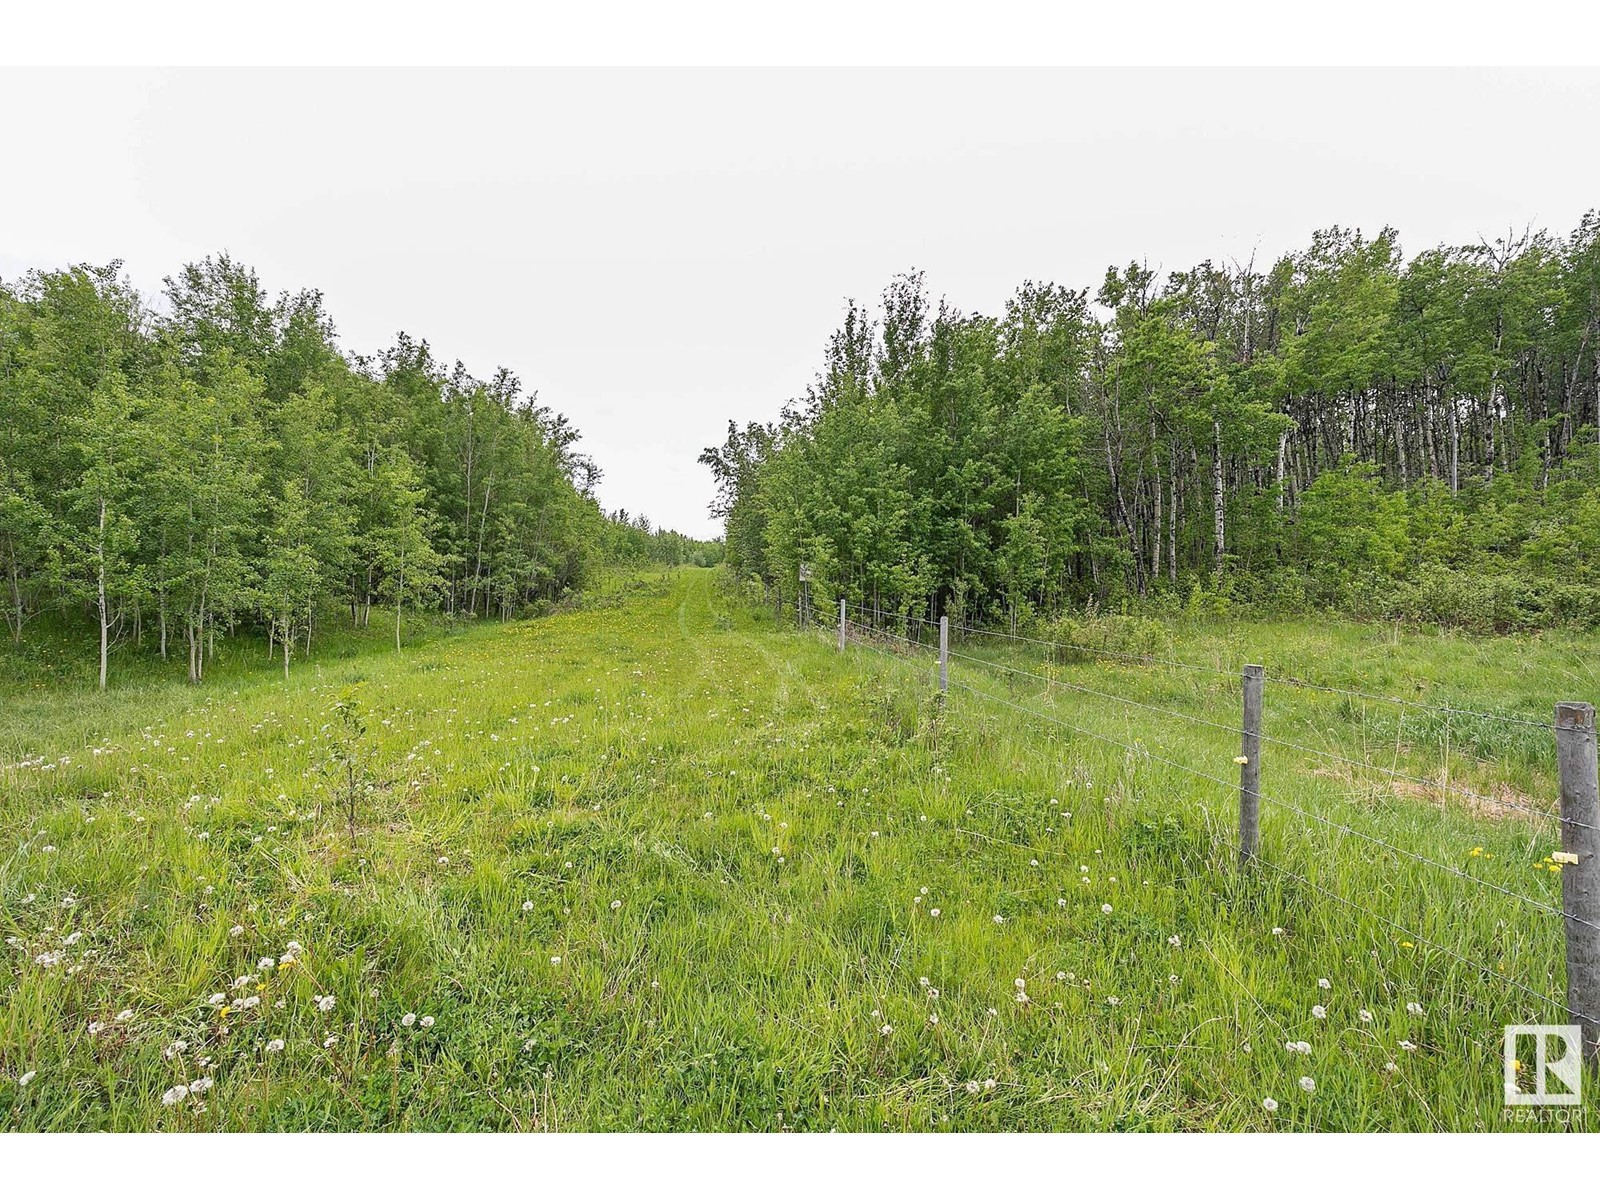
(656, 252)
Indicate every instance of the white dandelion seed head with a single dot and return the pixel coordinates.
(425, 1022)
(1269, 1104)
(1307, 1084)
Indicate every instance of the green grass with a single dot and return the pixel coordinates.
(660, 865)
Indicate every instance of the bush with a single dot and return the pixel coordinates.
(1078, 637)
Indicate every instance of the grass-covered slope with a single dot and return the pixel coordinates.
(662, 866)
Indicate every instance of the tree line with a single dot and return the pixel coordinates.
(214, 462)
(1352, 428)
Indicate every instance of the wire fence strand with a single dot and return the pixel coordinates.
(1145, 752)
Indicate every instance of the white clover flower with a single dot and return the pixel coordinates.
(1269, 1104)
(409, 1020)
(174, 1095)
(275, 1045)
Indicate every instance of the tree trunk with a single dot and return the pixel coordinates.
(100, 582)
(1219, 507)
(399, 598)
(1455, 447)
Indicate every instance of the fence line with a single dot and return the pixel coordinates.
(1311, 816)
(1291, 680)
(1364, 764)
(1580, 797)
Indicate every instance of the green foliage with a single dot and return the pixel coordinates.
(1349, 429)
(221, 466)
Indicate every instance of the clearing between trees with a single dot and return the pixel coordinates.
(663, 864)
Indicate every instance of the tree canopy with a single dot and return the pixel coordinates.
(1350, 428)
(212, 461)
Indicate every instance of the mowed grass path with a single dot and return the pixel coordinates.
(663, 866)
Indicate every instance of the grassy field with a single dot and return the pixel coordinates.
(661, 865)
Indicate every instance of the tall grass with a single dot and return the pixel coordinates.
(659, 864)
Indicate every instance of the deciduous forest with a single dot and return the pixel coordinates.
(1351, 429)
(174, 472)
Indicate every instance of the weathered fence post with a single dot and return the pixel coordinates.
(1250, 766)
(944, 654)
(841, 624)
(1580, 870)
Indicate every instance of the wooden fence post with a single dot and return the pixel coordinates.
(841, 624)
(944, 654)
(1580, 872)
(1250, 766)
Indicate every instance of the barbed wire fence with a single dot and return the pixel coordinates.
(1577, 815)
